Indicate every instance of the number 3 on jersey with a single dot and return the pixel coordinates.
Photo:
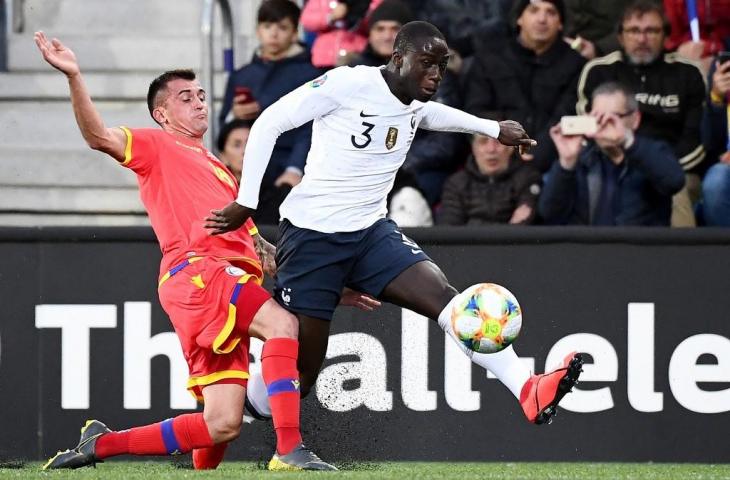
(366, 133)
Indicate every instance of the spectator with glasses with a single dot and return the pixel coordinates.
(669, 89)
(614, 176)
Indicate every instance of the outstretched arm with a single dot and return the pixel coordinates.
(111, 141)
(444, 118)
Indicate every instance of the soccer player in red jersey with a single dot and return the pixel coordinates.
(210, 286)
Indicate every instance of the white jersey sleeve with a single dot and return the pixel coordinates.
(436, 116)
(310, 101)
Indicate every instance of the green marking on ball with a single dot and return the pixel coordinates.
(491, 328)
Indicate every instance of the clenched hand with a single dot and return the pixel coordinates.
(511, 133)
(230, 218)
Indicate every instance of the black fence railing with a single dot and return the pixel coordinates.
(440, 235)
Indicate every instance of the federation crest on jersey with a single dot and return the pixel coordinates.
(234, 271)
(318, 82)
(391, 137)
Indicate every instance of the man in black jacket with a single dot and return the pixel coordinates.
(530, 77)
(670, 92)
(495, 187)
(618, 177)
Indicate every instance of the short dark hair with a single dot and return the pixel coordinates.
(412, 34)
(278, 10)
(609, 88)
(641, 8)
(226, 130)
(160, 83)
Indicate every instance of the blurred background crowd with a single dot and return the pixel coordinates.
(656, 82)
(659, 155)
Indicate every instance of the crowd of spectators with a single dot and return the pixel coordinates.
(658, 155)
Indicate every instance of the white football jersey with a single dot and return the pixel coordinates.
(360, 137)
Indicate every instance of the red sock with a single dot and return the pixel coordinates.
(279, 369)
(209, 458)
(172, 436)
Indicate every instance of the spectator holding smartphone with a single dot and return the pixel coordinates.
(716, 184)
(670, 91)
(613, 176)
(279, 65)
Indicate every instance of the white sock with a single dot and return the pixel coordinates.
(505, 365)
(256, 391)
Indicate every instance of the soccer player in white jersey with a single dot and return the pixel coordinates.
(334, 231)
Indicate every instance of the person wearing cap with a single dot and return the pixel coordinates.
(383, 25)
(531, 76)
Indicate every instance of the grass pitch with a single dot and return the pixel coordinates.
(543, 471)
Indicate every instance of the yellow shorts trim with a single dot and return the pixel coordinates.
(213, 378)
(221, 344)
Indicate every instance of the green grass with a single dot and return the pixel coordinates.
(543, 471)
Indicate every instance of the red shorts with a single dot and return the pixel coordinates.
(211, 303)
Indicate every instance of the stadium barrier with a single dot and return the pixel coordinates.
(83, 336)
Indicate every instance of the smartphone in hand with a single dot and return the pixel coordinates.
(242, 95)
(723, 57)
(578, 125)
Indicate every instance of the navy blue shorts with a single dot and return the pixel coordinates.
(313, 267)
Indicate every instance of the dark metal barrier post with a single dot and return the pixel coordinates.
(207, 64)
(4, 36)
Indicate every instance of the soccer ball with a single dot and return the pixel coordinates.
(486, 318)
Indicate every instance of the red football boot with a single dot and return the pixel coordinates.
(541, 393)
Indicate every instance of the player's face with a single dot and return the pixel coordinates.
(540, 23)
(276, 37)
(185, 109)
(491, 156)
(382, 37)
(642, 37)
(232, 154)
(423, 69)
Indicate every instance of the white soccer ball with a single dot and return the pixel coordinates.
(486, 317)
